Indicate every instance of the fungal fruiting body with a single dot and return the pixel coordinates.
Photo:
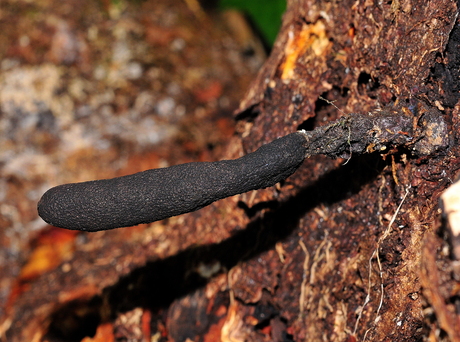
(156, 194)
(160, 193)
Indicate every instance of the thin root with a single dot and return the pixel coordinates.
(376, 254)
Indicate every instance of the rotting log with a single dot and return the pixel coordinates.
(335, 257)
(353, 266)
(336, 252)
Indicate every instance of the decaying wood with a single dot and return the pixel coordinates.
(336, 252)
(361, 56)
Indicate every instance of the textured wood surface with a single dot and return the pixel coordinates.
(343, 250)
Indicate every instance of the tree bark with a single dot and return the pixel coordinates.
(343, 250)
(358, 249)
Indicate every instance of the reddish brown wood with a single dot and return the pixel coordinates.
(337, 252)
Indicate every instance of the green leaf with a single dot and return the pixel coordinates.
(266, 14)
